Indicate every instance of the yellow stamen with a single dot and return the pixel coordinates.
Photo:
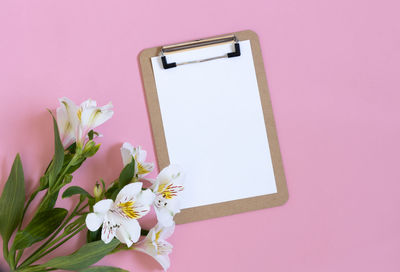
(158, 235)
(127, 209)
(161, 188)
(68, 127)
(169, 191)
(141, 169)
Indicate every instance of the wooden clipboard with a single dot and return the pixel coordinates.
(229, 207)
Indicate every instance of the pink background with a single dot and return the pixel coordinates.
(333, 70)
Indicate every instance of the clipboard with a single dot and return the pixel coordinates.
(165, 56)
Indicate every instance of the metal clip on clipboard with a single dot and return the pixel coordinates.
(169, 49)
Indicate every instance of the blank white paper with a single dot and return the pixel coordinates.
(214, 125)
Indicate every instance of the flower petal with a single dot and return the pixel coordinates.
(171, 173)
(163, 260)
(147, 247)
(88, 117)
(102, 118)
(103, 206)
(92, 116)
(109, 229)
(129, 192)
(150, 250)
(166, 232)
(88, 103)
(164, 217)
(67, 120)
(107, 107)
(140, 154)
(94, 221)
(144, 168)
(129, 232)
(67, 132)
(146, 197)
(173, 205)
(126, 153)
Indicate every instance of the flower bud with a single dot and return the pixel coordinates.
(90, 149)
(97, 191)
(88, 146)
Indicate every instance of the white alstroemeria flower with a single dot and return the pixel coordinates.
(166, 187)
(67, 121)
(155, 245)
(119, 218)
(75, 122)
(91, 116)
(142, 167)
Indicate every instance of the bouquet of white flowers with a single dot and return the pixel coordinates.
(110, 214)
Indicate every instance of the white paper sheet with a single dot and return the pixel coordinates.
(214, 125)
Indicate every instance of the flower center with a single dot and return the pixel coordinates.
(141, 169)
(128, 210)
(169, 191)
(163, 248)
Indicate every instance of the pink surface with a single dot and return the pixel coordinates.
(333, 70)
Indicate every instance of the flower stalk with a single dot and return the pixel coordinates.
(51, 241)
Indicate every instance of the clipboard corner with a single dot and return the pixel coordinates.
(283, 198)
(146, 54)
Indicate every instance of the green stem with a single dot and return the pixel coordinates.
(45, 246)
(29, 268)
(62, 242)
(19, 255)
(32, 197)
(59, 180)
(11, 258)
(61, 177)
(87, 204)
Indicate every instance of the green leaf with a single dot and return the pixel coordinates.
(41, 226)
(72, 148)
(103, 269)
(127, 174)
(87, 255)
(75, 190)
(114, 195)
(104, 185)
(58, 159)
(12, 201)
(114, 188)
(48, 202)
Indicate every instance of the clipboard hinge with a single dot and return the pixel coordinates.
(169, 49)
